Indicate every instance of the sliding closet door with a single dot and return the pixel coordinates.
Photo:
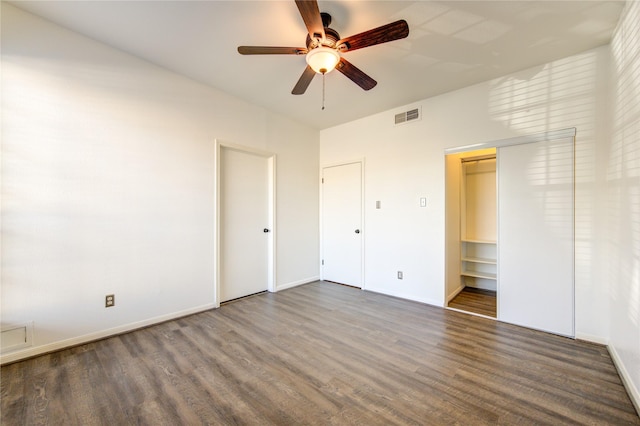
(535, 235)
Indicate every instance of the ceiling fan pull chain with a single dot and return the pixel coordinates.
(323, 74)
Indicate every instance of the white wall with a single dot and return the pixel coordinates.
(622, 236)
(108, 186)
(406, 162)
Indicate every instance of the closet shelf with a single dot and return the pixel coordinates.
(476, 274)
(479, 260)
(470, 240)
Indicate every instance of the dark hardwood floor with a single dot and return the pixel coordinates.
(475, 300)
(321, 354)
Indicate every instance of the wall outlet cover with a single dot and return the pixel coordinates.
(109, 300)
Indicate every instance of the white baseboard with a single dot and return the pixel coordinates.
(297, 283)
(631, 388)
(426, 301)
(454, 293)
(593, 339)
(74, 341)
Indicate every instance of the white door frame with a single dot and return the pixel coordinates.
(362, 223)
(271, 251)
(537, 137)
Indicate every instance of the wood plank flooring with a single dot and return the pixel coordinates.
(475, 300)
(321, 354)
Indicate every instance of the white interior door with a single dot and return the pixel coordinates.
(244, 217)
(536, 235)
(342, 224)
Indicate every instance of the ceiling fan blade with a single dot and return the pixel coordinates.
(390, 32)
(311, 16)
(356, 75)
(268, 50)
(304, 81)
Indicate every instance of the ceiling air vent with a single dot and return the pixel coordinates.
(411, 115)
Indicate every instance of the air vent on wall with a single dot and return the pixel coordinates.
(411, 115)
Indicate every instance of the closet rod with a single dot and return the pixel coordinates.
(484, 158)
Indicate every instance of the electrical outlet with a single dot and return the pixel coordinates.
(109, 300)
(399, 275)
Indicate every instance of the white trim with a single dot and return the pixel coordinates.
(498, 236)
(360, 161)
(63, 344)
(627, 380)
(592, 339)
(519, 140)
(412, 298)
(271, 260)
(341, 163)
(475, 314)
(297, 283)
(273, 222)
(216, 227)
(453, 294)
(362, 225)
(243, 148)
(28, 336)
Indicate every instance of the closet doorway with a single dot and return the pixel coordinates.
(475, 287)
(510, 236)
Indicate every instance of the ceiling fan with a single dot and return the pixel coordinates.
(324, 47)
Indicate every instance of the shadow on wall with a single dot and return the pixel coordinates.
(623, 175)
(558, 95)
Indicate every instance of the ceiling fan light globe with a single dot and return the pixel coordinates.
(323, 59)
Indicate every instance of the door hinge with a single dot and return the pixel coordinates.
(322, 180)
(323, 261)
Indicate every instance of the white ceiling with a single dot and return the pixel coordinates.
(452, 44)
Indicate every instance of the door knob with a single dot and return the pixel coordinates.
(357, 231)
(265, 230)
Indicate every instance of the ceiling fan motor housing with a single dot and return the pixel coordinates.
(331, 35)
